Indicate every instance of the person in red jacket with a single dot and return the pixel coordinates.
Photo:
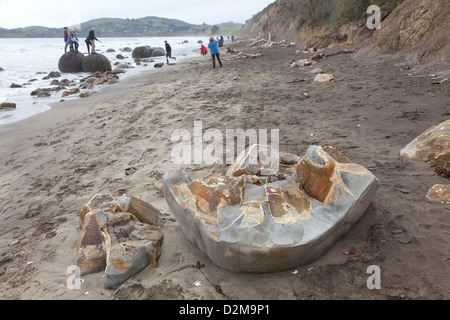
(203, 50)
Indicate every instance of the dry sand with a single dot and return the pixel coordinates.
(119, 141)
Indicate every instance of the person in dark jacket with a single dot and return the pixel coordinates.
(66, 37)
(90, 40)
(169, 52)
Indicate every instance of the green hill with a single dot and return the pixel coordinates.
(116, 27)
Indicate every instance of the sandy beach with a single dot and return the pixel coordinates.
(119, 141)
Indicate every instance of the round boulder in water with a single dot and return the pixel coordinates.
(142, 52)
(158, 52)
(96, 62)
(71, 62)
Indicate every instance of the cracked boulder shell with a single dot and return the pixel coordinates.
(252, 223)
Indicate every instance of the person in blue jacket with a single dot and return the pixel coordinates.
(72, 40)
(214, 50)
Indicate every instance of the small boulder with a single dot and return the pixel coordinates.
(44, 95)
(96, 62)
(1, 69)
(7, 105)
(199, 41)
(439, 193)
(39, 91)
(71, 61)
(126, 49)
(54, 74)
(159, 65)
(120, 57)
(110, 50)
(316, 71)
(117, 71)
(323, 77)
(432, 146)
(15, 85)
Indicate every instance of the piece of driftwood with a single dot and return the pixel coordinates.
(296, 80)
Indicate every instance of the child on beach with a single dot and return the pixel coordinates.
(203, 50)
(214, 52)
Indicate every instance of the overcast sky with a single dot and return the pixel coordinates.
(52, 13)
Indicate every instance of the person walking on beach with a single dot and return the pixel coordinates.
(214, 52)
(90, 40)
(169, 52)
(66, 37)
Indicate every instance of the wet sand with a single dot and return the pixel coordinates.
(119, 141)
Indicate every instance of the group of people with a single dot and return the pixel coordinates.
(71, 40)
(213, 47)
(214, 50)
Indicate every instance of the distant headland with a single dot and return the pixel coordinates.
(116, 27)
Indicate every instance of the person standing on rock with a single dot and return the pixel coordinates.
(72, 40)
(169, 52)
(91, 39)
(66, 37)
(214, 52)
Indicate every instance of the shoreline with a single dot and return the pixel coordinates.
(74, 106)
(118, 141)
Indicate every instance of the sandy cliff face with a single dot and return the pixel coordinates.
(415, 31)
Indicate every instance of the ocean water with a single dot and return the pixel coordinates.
(27, 61)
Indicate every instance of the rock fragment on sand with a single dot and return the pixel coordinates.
(117, 241)
(159, 65)
(439, 193)
(15, 86)
(316, 71)
(432, 146)
(323, 77)
(246, 222)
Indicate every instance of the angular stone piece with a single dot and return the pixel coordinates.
(104, 202)
(115, 241)
(133, 246)
(91, 256)
(432, 146)
(143, 211)
(244, 225)
(439, 193)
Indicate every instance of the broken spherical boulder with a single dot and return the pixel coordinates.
(432, 146)
(249, 222)
(118, 236)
